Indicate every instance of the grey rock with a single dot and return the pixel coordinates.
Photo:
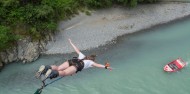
(1, 65)
(3, 57)
(31, 52)
(12, 54)
(28, 51)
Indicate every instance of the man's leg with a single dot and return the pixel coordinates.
(67, 72)
(42, 70)
(63, 66)
(60, 67)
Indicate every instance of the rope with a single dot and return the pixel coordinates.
(53, 81)
(39, 91)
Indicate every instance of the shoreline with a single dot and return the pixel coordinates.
(113, 42)
(118, 21)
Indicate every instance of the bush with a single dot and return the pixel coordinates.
(7, 38)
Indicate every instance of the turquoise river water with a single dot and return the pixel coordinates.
(137, 60)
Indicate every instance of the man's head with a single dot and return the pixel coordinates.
(91, 57)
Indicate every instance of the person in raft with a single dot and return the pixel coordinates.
(71, 66)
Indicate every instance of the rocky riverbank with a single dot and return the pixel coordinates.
(102, 27)
(25, 51)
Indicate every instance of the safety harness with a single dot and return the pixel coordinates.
(78, 63)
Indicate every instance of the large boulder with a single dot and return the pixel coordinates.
(12, 54)
(8, 55)
(25, 51)
(28, 51)
(3, 57)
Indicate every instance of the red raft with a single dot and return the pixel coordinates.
(175, 65)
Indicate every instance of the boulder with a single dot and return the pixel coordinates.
(12, 54)
(8, 56)
(1, 64)
(3, 56)
(28, 51)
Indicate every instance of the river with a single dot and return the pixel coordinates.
(137, 60)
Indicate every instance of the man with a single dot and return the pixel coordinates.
(71, 66)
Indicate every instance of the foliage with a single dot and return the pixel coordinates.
(148, 1)
(108, 3)
(37, 18)
(131, 3)
(96, 3)
(6, 37)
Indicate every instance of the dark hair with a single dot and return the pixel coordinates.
(91, 57)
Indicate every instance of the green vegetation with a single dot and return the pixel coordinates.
(37, 18)
(6, 37)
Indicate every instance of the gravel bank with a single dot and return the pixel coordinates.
(105, 25)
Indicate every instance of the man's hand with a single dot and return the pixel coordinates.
(107, 66)
(69, 40)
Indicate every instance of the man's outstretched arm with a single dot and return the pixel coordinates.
(101, 66)
(75, 48)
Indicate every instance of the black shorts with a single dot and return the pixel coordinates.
(78, 64)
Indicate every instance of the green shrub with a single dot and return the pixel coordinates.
(7, 38)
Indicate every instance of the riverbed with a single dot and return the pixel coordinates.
(105, 25)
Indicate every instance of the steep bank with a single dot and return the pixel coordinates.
(103, 26)
(25, 51)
